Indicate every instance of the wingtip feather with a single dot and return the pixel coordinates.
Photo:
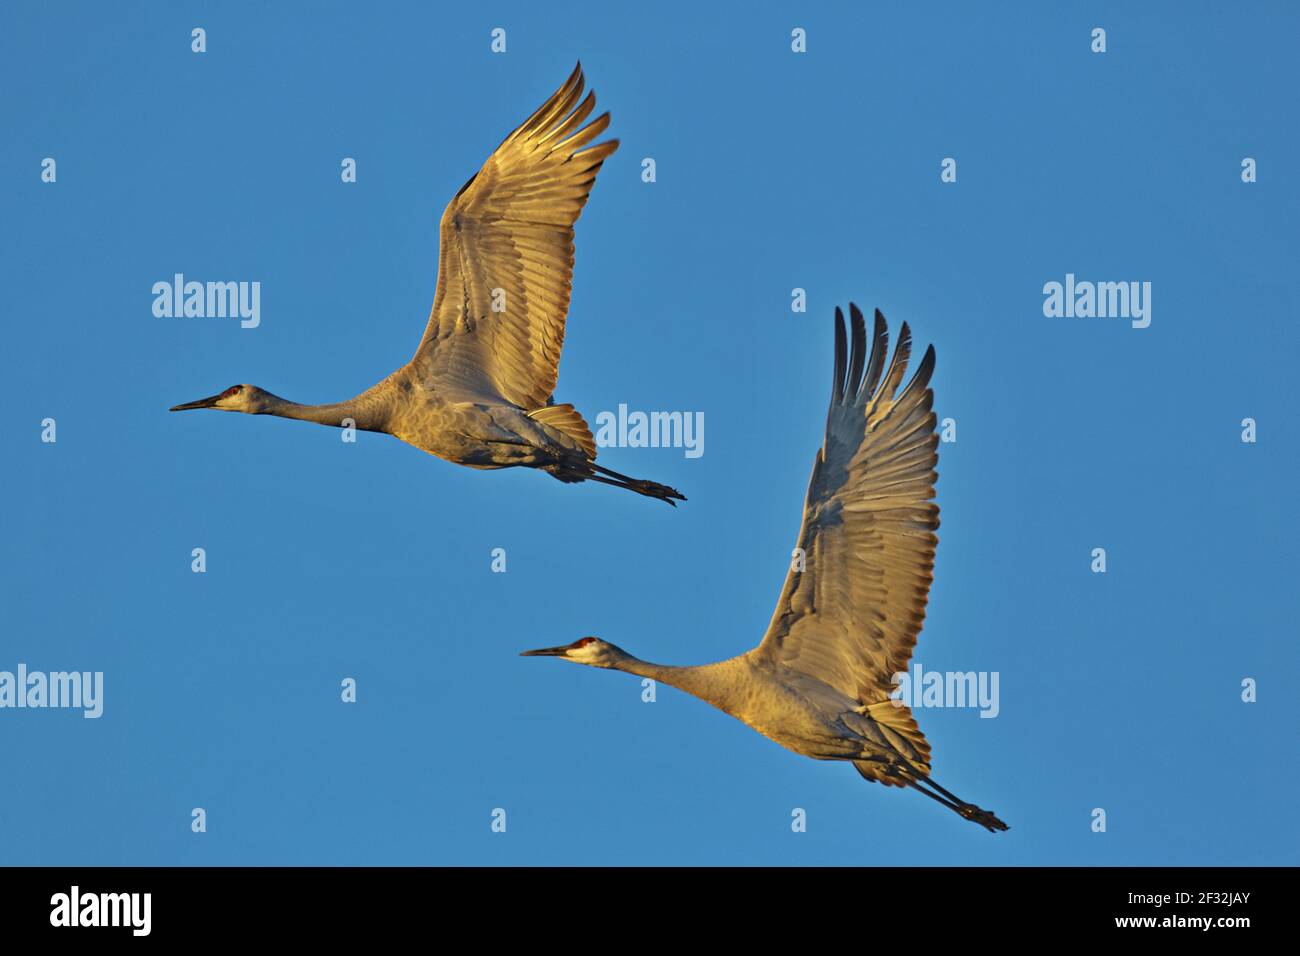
(841, 358)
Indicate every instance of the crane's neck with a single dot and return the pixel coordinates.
(709, 682)
(366, 412)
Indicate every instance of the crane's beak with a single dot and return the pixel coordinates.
(547, 652)
(209, 402)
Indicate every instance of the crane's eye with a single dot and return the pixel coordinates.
(584, 642)
(233, 390)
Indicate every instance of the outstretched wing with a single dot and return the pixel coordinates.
(506, 261)
(851, 617)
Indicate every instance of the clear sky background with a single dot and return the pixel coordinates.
(775, 170)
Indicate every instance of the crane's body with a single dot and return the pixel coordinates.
(820, 681)
(477, 434)
(799, 712)
(479, 389)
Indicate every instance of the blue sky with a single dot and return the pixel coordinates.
(775, 170)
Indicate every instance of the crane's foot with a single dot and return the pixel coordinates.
(652, 489)
(983, 817)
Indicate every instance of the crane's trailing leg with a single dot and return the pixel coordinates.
(969, 811)
(571, 464)
(587, 470)
(651, 489)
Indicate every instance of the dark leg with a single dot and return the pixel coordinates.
(966, 810)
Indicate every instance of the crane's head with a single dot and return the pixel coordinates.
(248, 399)
(587, 650)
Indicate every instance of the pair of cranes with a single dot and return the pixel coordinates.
(479, 391)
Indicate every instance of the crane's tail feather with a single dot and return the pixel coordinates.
(567, 419)
(923, 784)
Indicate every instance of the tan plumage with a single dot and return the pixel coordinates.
(848, 618)
(868, 537)
(478, 390)
(510, 228)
